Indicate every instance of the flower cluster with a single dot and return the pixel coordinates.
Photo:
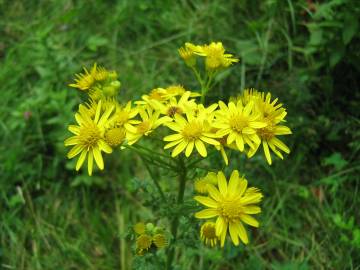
(148, 237)
(231, 203)
(188, 127)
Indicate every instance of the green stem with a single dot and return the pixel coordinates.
(175, 221)
(154, 178)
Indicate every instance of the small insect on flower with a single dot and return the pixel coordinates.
(232, 203)
(191, 132)
(89, 138)
(208, 233)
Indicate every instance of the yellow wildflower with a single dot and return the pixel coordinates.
(84, 81)
(201, 184)
(208, 233)
(89, 138)
(232, 204)
(216, 57)
(139, 228)
(144, 127)
(238, 123)
(191, 132)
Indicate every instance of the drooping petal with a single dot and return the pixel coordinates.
(75, 151)
(179, 148)
(242, 233)
(234, 235)
(219, 225)
(189, 148)
(98, 158)
(200, 147)
(267, 152)
(90, 162)
(249, 220)
(81, 159)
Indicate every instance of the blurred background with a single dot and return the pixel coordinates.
(307, 53)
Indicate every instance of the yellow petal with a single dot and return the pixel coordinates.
(200, 147)
(234, 233)
(179, 148)
(252, 209)
(209, 140)
(171, 144)
(98, 158)
(206, 201)
(222, 183)
(173, 137)
(206, 213)
(249, 220)
(257, 124)
(90, 162)
(280, 145)
(242, 186)
(75, 151)
(223, 234)
(234, 183)
(71, 141)
(214, 192)
(242, 233)
(239, 143)
(219, 225)
(81, 159)
(267, 152)
(189, 148)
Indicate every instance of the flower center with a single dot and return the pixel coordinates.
(238, 122)
(143, 127)
(115, 136)
(192, 131)
(143, 241)
(266, 133)
(174, 110)
(89, 135)
(209, 231)
(230, 209)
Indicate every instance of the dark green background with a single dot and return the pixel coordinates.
(304, 52)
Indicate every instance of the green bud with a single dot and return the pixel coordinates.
(116, 84)
(149, 227)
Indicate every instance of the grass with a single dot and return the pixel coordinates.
(54, 218)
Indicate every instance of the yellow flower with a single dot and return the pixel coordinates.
(144, 127)
(215, 56)
(143, 243)
(139, 228)
(178, 90)
(200, 184)
(191, 132)
(89, 138)
(115, 136)
(174, 106)
(272, 114)
(100, 73)
(232, 204)
(187, 54)
(84, 81)
(160, 240)
(208, 233)
(123, 115)
(238, 123)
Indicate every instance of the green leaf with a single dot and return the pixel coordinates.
(351, 25)
(94, 42)
(335, 160)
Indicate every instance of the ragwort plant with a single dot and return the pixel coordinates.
(189, 130)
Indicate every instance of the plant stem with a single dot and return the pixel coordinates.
(175, 221)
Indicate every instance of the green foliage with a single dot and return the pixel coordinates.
(304, 52)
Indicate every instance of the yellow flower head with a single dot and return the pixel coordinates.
(187, 53)
(115, 136)
(208, 233)
(143, 243)
(174, 106)
(239, 123)
(232, 203)
(201, 184)
(84, 81)
(272, 114)
(139, 228)
(191, 132)
(160, 240)
(89, 138)
(144, 127)
(124, 115)
(216, 57)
